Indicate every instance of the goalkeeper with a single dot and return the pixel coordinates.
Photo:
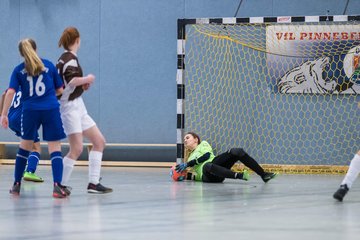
(214, 169)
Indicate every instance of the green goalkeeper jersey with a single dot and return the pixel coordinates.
(201, 149)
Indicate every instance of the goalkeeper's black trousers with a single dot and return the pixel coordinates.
(220, 167)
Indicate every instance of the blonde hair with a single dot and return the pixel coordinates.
(33, 64)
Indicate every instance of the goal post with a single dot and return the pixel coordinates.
(286, 89)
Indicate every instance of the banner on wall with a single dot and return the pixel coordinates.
(318, 59)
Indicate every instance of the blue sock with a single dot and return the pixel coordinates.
(33, 161)
(20, 164)
(57, 166)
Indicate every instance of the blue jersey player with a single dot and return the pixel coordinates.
(14, 117)
(39, 83)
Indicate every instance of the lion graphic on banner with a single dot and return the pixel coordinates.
(307, 78)
(326, 75)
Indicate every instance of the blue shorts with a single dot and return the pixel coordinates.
(15, 125)
(49, 120)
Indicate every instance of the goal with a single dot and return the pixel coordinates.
(286, 89)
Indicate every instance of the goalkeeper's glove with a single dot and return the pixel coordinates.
(181, 167)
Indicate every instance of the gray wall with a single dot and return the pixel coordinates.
(130, 45)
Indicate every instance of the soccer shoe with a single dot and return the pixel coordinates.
(58, 191)
(98, 188)
(245, 175)
(268, 176)
(67, 189)
(29, 176)
(15, 189)
(341, 192)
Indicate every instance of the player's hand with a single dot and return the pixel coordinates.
(181, 167)
(86, 86)
(90, 78)
(4, 121)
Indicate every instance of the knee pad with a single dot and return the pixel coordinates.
(237, 152)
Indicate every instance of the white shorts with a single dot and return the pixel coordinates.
(74, 116)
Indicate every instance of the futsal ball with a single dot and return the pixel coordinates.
(177, 176)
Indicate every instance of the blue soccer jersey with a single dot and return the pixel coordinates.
(16, 102)
(40, 106)
(38, 92)
(14, 114)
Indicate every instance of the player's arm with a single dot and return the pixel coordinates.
(199, 160)
(78, 81)
(7, 103)
(2, 102)
(182, 166)
(73, 76)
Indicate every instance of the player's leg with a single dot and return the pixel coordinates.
(71, 119)
(20, 164)
(15, 117)
(95, 157)
(353, 171)
(221, 167)
(30, 124)
(33, 161)
(350, 177)
(57, 168)
(53, 132)
(210, 177)
(75, 149)
(249, 162)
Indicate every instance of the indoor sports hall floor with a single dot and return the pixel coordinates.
(146, 204)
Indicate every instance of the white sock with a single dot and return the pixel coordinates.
(94, 166)
(353, 171)
(68, 168)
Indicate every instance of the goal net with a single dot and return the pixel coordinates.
(286, 92)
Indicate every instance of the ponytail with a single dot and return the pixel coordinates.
(68, 37)
(33, 64)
